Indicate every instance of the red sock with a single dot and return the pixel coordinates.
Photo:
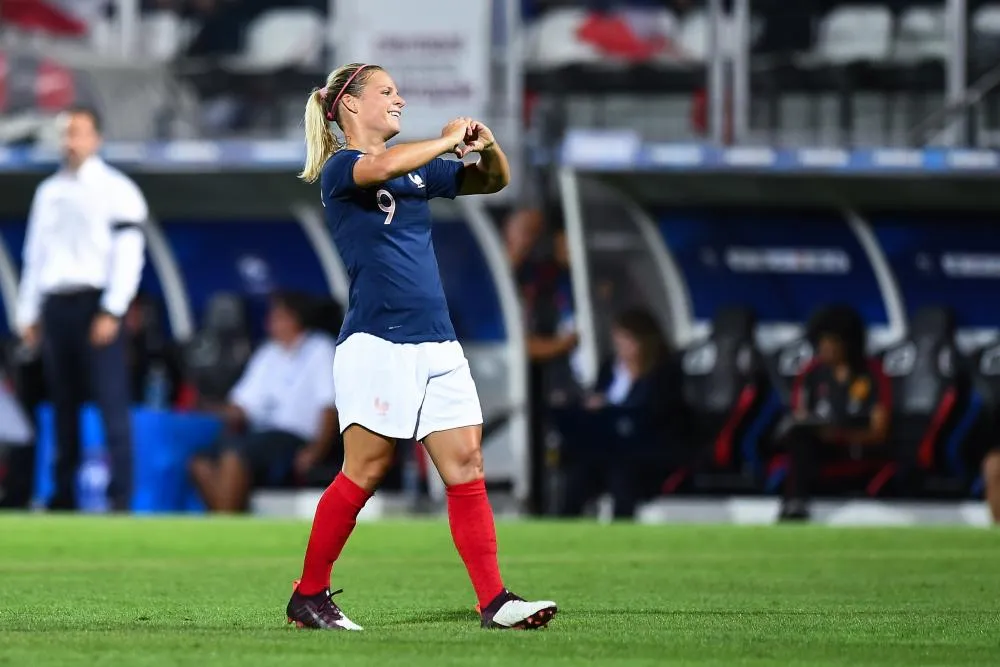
(472, 528)
(336, 516)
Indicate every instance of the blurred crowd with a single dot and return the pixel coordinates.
(700, 419)
(657, 420)
(274, 399)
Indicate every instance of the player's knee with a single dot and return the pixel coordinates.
(465, 464)
(369, 470)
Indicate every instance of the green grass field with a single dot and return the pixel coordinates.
(115, 591)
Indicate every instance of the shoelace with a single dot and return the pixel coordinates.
(328, 602)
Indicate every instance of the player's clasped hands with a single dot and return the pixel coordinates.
(471, 136)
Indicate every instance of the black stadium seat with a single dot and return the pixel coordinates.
(785, 364)
(217, 354)
(722, 390)
(986, 372)
(930, 390)
(979, 429)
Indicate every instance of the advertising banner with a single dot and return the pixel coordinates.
(438, 52)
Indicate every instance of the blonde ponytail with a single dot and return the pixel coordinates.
(321, 110)
(320, 141)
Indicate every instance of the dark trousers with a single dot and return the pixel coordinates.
(808, 453)
(17, 474)
(76, 371)
(267, 454)
(586, 479)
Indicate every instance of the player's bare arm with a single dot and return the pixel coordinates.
(491, 173)
(403, 158)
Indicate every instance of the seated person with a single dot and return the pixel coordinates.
(841, 408)
(642, 377)
(280, 414)
(148, 352)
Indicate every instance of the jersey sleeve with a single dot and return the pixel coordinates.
(338, 174)
(444, 178)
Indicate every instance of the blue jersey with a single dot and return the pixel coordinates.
(383, 233)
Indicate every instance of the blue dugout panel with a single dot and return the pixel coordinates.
(247, 258)
(252, 258)
(944, 259)
(781, 263)
(468, 284)
(12, 234)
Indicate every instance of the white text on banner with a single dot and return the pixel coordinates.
(438, 52)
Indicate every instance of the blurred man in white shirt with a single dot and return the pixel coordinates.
(282, 410)
(83, 259)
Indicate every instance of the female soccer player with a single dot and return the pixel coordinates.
(399, 371)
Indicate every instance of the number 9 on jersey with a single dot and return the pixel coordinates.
(386, 203)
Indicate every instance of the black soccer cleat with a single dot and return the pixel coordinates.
(510, 612)
(317, 612)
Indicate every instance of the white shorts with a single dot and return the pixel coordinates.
(404, 390)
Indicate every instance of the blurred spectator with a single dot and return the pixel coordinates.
(991, 477)
(552, 333)
(16, 450)
(629, 377)
(280, 415)
(83, 259)
(546, 297)
(154, 363)
(641, 380)
(841, 408)
(521, 233)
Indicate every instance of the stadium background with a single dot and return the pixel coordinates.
(700, 155)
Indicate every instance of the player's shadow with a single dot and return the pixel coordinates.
(598, 611)
(449, 616)
(462, 615)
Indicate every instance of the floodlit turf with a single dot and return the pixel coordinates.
(115, 591)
